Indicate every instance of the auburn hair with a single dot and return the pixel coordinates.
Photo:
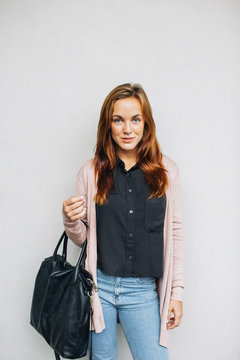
(149, 154)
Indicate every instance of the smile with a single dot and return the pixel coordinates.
(127, 139)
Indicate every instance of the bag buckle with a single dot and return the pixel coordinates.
(93, 284)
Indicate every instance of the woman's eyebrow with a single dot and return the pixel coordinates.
(122, 117)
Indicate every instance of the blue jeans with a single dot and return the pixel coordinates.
(136, 302)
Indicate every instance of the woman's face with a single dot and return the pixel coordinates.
(127, 122)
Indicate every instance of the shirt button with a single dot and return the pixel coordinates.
(130, 257)
(130, 190)
(127, 174)
(130, 234)
(131, 211)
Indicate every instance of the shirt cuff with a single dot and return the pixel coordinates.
(177, 293)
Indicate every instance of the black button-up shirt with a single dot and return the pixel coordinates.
(130, 227)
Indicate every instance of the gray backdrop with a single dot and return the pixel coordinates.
(59, 59)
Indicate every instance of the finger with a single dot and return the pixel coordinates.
(171, 320)
(71, 212)
(77, 204)
(68, 208)
(80, 215)
(78, 210)
(171, 323)
(169, 313)
(72, 200)
(177, 320)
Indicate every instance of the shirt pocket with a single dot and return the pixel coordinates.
(155, 214)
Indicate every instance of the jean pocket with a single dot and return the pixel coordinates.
(155, 213)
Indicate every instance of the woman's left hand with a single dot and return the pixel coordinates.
(176, 307)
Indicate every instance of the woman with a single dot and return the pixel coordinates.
(128, 205)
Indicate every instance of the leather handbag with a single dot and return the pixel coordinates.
(62, 303)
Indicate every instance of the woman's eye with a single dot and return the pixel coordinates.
(118, 120)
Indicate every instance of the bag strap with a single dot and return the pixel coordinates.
(64, 251)
(83, 253)
(90, 355)
(57, 355)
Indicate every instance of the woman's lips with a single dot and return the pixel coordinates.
(127, 139)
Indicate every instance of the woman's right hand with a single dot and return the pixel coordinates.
(75, 207)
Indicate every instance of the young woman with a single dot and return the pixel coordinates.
(128, 205)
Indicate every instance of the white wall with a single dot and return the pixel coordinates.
(59, 59)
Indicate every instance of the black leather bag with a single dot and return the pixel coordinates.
(62, 303)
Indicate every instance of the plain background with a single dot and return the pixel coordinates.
(59, 60)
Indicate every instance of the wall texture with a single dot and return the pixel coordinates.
(58, 61)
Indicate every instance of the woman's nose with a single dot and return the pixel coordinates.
(127, 127)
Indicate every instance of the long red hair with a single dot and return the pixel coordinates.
(149, 154)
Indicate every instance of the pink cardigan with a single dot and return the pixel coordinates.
(171, 286)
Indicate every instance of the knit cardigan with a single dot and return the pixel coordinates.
(171, 285)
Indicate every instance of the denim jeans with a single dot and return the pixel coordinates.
(136, 302)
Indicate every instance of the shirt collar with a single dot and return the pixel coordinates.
(119, 160)
(122, 164)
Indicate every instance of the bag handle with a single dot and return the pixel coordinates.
(64, 252)
(82, 257)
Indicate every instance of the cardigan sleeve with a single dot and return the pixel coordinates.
(77, 230)
(177, 289)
